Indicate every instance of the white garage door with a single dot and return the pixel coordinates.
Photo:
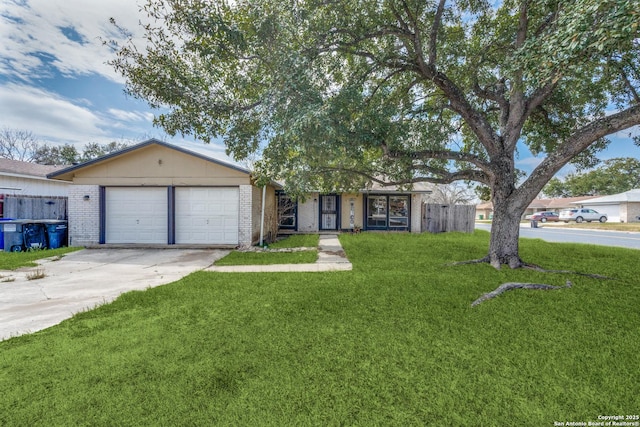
(612, 211)
(136, 215)
(207, 215)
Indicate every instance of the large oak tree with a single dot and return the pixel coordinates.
(338, 93)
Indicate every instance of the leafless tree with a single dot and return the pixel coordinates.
(16, 144)
(451, 194)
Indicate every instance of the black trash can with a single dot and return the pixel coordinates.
(34, 235)
(56, 233)
(534, 223)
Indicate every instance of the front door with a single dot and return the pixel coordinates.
(329, 212)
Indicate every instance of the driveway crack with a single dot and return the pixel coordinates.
(43, 292)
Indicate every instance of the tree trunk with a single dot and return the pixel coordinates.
(505, 232)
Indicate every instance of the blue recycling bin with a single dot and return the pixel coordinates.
(14, 234)
(2, 232)
(56, 233)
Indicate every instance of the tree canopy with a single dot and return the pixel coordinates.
(68, 154)
(613, 176)
(337, 94)
(23, 145)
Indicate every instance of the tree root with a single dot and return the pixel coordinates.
(473, 261)
(534, 267)
(514, 285)
(543, 270)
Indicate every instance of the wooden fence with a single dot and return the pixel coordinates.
(35, 207)
(442, 218)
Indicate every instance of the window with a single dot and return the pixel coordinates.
(387, 212)
(377, 211)
(398, 211)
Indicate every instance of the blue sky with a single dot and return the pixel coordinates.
(54, 80)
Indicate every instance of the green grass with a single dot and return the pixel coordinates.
(297, 241)
(393, 342)
(14, 260)
(266, 258)
(595, 225)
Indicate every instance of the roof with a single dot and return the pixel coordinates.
(565, 202)
(416, 187)
(627, 196)
(58, 174)
(26, 169)
(547, 204)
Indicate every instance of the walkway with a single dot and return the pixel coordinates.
(331, 257)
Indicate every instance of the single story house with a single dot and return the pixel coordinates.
(376, 208)
(28, 180)
(485, 210)
(156, 193)
(555, 205)
(622, 207)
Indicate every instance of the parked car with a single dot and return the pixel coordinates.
(544, 216)
(579, 215)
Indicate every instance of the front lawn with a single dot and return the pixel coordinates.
(268, 257)
(13, 260)
(393, 342)
(297, 241)
(595, 225)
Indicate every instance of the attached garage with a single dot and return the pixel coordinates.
(621, 207)
(206, 215)
(136, 215)
(612, 210)
(160, 194)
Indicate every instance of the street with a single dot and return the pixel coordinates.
(550, 233)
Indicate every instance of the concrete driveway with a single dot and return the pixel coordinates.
(81, 280)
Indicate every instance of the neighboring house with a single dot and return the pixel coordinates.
(556, 205)
(159, 194)
(622, 207)
(28, 179)
(485, 209)
(376, 208)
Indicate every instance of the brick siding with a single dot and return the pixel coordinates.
(84, 215)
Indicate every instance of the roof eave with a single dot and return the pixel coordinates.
(59, 175)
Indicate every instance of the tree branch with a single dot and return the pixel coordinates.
(433, 36)
(436, 154)
(378, 178)
(523, 24)
(578, 142)
(629, 86)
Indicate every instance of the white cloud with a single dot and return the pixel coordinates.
(47, 114)
(131, 116)
(529, 163)
(56, 120)
(33, 27)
